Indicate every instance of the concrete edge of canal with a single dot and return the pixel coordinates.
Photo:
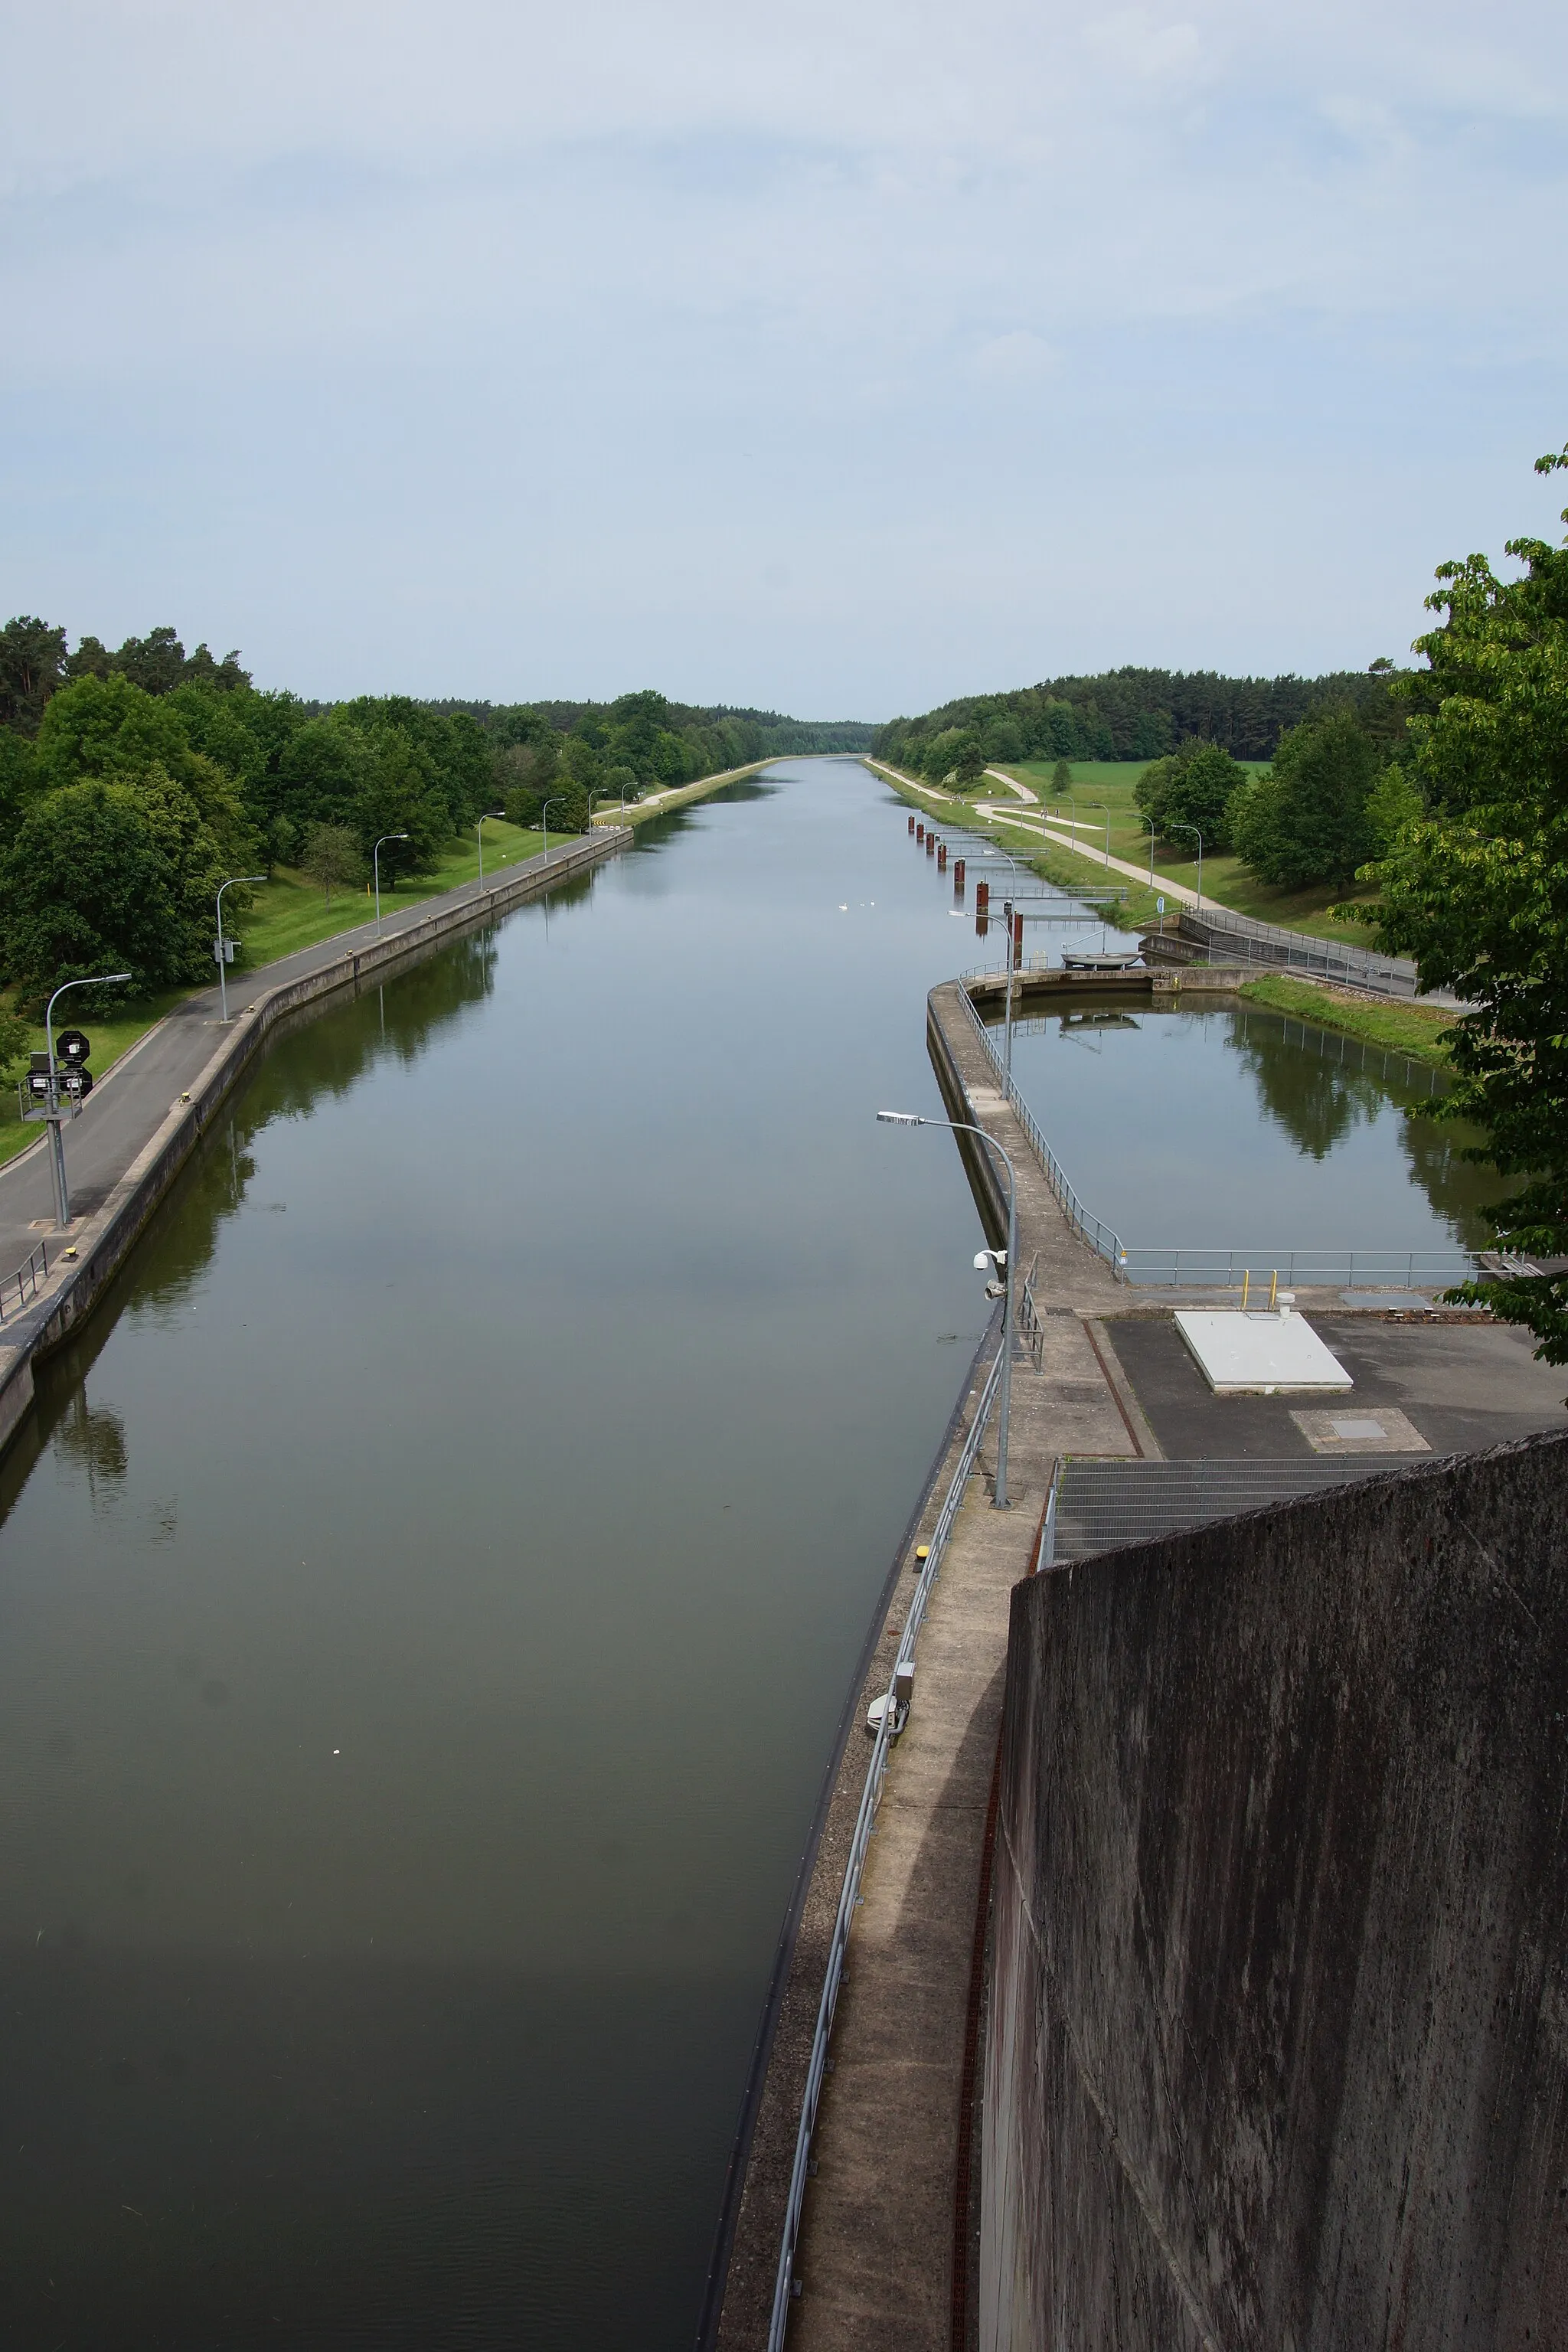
(75, 1283)
(887, 2219)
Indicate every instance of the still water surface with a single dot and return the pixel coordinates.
(1226, 1126)
(428, 1594)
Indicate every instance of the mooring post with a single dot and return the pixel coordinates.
(982, 899)
(920, 832)
(942, 857)
(912, 824)
(958, 877)
(931, 844)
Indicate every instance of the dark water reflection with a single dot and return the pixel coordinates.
(1221, 1125)
(427, 1598)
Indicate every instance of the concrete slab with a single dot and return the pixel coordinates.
(1260, 1355)
(1387, 1431)
(1462, 1386)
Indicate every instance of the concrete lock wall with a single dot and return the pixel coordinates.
(1278, 2052)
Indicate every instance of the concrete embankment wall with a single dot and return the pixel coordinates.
(104, 1241)
(1279, 2052)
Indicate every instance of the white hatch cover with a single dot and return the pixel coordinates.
(1261, 1355)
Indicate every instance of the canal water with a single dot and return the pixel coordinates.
(428, 1592)
(1237, 1128)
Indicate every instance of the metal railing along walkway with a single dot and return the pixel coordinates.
(849, 1899)
(1216, 1266)
(25, 1281)
(1267, 943)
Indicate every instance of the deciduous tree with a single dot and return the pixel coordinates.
(1478, 891)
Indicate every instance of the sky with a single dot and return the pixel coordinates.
(838, 358)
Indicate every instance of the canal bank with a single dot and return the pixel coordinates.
(889, 2234)
(144, 1139)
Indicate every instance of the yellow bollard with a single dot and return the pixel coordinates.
(1273, 1288)
(1246, 1279)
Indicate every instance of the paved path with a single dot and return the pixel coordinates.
(133, 1100)
(1048, 833)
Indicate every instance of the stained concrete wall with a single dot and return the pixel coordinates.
(1279, 2052)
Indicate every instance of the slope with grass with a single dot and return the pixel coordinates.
(1102, 785)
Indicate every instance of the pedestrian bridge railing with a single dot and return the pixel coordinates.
(897, 1699)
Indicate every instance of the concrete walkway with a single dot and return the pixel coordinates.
(886, 2225)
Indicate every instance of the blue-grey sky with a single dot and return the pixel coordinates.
(838, 357)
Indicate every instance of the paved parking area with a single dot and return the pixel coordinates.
(1461, 1385)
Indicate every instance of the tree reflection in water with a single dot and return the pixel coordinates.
(1318, 1086)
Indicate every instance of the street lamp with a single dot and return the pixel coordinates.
(479, 829)
(965, 1127)
(222, 972)
(555, 801)
(1192, 828)
(54, 1115)
(1106, 813)
(376, 862)
(1153, 829)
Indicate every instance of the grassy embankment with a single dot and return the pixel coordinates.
(660, 804)
(284, 914)
(1226, 879)
(1416, 1030)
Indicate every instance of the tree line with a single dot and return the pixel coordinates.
(1122, 714)
(134, 782)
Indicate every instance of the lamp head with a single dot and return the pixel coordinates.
(900, 1118)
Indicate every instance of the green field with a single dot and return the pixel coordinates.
(1226, 879)
(285, 915)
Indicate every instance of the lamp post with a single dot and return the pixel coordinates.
(1004, 1403)
(376, 862)
(1192, 828)
(1150, 823)
(479, 829)
(1106, 813)
(222, 972)
(54, 1113)
(554, 801)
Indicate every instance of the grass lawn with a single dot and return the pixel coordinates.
(1416, 1030)
(285, 914)
(1110, 782)
(289, 912)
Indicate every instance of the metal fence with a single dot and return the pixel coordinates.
(24, 1281)
(784, 2286)
(1253, 942)
(1219, 1268)
(1099, 1505)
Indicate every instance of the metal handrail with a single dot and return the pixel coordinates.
(850, 1895)
(1217, 1266)
(26, 1279)
(1102, 1239)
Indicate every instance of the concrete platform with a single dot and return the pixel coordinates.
(1241, 1354)
(1462, 1385)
